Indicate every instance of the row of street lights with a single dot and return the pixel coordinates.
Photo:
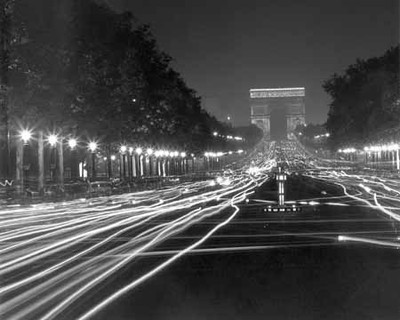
(131, 162)
(376, 156)
(229, 137)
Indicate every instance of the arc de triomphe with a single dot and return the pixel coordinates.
(264, 101)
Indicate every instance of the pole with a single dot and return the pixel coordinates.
(150, 166)
(60, 164)
(40, 163)
(124, 165)
(19, 172)
(93, 166)
(129, 157)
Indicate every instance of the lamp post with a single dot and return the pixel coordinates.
(112, 161)
(193, 162)
(149, 157)
(52, 141)
(129, 160)
(164, 167)
(139, 167)
(93, 148)
(72, 143)
(122, 151)
(56, 155)
(168, 163)
(25, 136)
(183, 163)
(132, 163)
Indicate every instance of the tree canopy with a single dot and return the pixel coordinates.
(365, 99)
(88, 70)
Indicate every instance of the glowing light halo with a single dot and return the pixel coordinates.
(25, 135)
(72, 143)
(92, 146)
(52, 139)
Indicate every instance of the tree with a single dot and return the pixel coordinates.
(104, 78)
(6, 39)
(364, 99)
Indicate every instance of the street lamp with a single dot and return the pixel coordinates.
(149, 153)
(25, 135)
(52, 139)
(183, 163)
(123, 149)
(93, 147)
(72, 143)
(139, 168)
(122, 168)
(131, 163)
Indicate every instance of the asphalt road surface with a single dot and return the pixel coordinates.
(212, 249)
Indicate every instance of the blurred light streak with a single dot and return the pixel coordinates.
(343, 238)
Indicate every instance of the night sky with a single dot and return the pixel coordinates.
(223, 48)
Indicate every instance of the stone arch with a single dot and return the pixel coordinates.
(264, 101)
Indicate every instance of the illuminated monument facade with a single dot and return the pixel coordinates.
(264, 101)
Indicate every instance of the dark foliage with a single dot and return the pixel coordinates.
(88, 70)
(365, 99)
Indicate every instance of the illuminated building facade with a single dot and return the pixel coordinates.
(264, 101)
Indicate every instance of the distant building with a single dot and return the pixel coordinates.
(289, 101)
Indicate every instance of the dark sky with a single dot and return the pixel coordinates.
(223, 48)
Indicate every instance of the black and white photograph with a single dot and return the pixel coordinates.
(199, 160)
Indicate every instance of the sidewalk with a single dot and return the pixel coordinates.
(84, 189)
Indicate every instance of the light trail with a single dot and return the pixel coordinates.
(54, 254)
(60, 239)
(342, 238)
(159, 268)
